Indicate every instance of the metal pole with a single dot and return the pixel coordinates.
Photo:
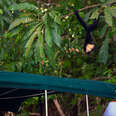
(87, 105)
(46, 103)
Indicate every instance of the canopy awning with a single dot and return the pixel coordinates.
(15, 87)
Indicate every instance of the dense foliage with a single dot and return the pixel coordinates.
(44, 37)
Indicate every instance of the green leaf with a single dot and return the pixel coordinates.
(29, 42)
(56, 16)
(30, 30)
(87, 15)
(6, 19)
(45, 19)
(40, 43)
(1, 11)
(12, 33)
(56, 35)
(37, 53)
(48, 35)
(108, 16)
(19, 21)
(52, 55)
(103, 54)
(102, 0)
(95, 14)
(23, 6)
(113, 11)
(103, 31)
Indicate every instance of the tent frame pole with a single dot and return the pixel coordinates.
(87, 105)
(46, 103)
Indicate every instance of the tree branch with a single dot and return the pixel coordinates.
(92, 6)
(96, 5)
(58, 107)
(101, 78)
(88, 7)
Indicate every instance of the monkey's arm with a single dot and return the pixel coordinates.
(81, 20)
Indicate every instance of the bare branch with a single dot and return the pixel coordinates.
(58, 107)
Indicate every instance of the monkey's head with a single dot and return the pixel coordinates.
(88, 48)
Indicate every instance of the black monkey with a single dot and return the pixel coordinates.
(89, 46)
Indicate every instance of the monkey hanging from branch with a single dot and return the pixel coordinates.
(89, 45)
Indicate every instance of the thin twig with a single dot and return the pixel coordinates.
(34, 114)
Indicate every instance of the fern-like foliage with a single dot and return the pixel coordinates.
(18, 21)
(40, 30)
(6, 16)
(23, 6)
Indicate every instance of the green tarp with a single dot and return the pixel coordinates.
(15, 86)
